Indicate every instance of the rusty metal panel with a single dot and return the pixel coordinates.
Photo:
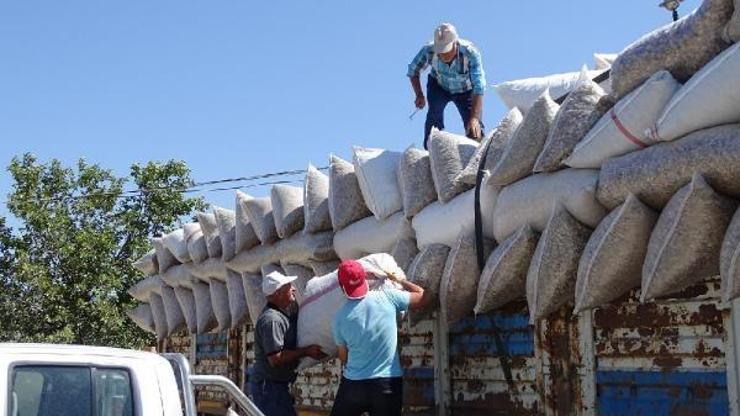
(417, 359)
(315, 388)
(211, 358)
(179, 343)
(662, 357)
(478, 383)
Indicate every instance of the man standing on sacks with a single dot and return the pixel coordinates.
(456, 75)
(275, 351)
(366, 333)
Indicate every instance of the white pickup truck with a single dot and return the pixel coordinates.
(69, 380)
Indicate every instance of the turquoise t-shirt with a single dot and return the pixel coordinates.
(367, 327)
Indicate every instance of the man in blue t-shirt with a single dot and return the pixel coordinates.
(366, 335)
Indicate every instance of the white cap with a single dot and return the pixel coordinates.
(445, 37)
(274, 281)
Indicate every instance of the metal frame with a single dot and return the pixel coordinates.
(442, 385)
(732, 353)
(239, 397)
(188, 395)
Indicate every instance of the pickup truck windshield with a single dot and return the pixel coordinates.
(41, 390)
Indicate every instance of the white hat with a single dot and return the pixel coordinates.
(274, 281)
(445, 37)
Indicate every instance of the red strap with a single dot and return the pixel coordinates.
(624, 130)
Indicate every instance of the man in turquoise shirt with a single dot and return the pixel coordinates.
(366, 333)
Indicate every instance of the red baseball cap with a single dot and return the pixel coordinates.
(352, 279)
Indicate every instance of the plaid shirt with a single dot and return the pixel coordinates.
(463, 74)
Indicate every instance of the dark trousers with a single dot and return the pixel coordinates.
(437, 100)
(273, 399)
(378, 397)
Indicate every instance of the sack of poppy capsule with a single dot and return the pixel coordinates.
(708, 99)
(682, 47)
(142, 317)
(256, 300)
(376, 174)
(321, 268)
(237, 299)
(426, 271)
(404, 252)
(522, 150)
(147, 263)
(287, 209)
(197, 248)
(504, 277)
(371, 235)
(531, 201)
(210, 231)
(654, 174)
(346, 204)
(173, 312)
(448, 155)
(415, 181)
(685, 245)
(176, 243)
(460, 278)
(220, 302)
(316, 201)
(728, 260)
(604, 60)
(186, 300)
(259, 212)
(622, 129)
(551, 277)
(522, 93)
(141, 290)
(205, 317)
(226, 223)
(159, 316)
(731, 32)
(611, 263)
(244, 235)
(498, 139)
(165, 259)
(324, 297)
(583, 107)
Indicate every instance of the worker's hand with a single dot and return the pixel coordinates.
(474, 130)
(420, 101)
(314, 351)
(393, 277)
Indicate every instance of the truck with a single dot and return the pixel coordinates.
(73, 380)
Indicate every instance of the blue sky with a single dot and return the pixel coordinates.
(238, 88)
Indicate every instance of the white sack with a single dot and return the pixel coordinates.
(604, 60)
(256, 301)
(244, 234)
(622, 129)
(259, 212)
(165, 259)
(187, 304)
(316, 201)
(371, 235)
(176, 243)
(226, 223)
(376, 175)
(237, 299)
(448, 155)
(220, 303)
(147, 263)
(287, 209)
(142, 317)
(158, 316)
(205, 317)
(710, 98)
(197, 248)
(210, 231)
(172, 310)
(532, 200)
(321, 268)
(141, 289)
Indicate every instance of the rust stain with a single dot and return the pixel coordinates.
(492, 404)
(560, 341)
(667, 362)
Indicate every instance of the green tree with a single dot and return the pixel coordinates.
(69, 262)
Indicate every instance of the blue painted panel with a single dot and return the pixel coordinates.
(211, 346)
(662, 393)
(474, 335)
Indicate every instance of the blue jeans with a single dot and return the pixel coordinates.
(437, 99)
(273, 399)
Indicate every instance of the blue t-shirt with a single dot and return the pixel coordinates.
(367, 327)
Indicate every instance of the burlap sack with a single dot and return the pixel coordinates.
(158, 316)
(415, 181)
(256, 301)
(287, 209)
(656, 173)
(220, 302)
(426, 271)
(346, 204)
(682, 48)
(551, 277)
(460, 279)
(731, 33)
(611, 263)
(177, 245)
(237, 299)
(728, 260)
(209, 226)
(259, 212)
(316, 201)
(173, 312)
(205, 317)
(504, 278)
(142, 317)
(141, 289)
(449, 154)
(147, 263)
(226, 223)
(187, 304)
(498, 139)
(685, 245)
(165, 259)
(525, 145)
(321, 268)
(197, 248)
(404, 252)
(578, 113)
(245, 237)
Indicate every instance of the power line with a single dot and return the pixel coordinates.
(197, 186)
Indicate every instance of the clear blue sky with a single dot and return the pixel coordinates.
(238, 88)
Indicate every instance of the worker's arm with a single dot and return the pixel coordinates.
(418, 298)
(289, 356)
(417, 65)
(342, 354)
(478, 79)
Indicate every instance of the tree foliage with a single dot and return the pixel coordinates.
(68, 264)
